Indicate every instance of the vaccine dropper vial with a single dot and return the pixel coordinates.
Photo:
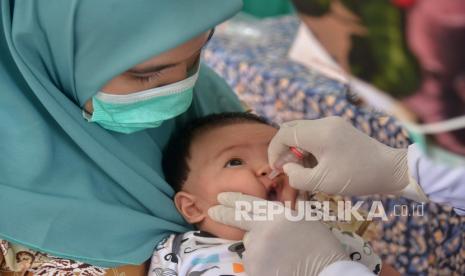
(294, 155)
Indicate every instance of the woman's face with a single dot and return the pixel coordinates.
(169, 67)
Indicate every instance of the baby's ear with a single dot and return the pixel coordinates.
(188, 205)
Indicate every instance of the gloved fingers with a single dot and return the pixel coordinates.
(276, 149)
(246, 239)
(301, 178)
(304, 134)
(231, 199)
(227, 215)
(240, 201)
(282, 141)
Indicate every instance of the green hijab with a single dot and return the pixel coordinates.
(68, 187)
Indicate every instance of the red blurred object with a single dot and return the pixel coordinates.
(404, 4)
(436, 36)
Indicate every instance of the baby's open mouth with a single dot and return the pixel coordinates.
(274, 192)
(272, 195)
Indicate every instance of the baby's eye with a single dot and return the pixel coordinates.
(234, 163)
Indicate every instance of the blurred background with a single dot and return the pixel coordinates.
(409, 50)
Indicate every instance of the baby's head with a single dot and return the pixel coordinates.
(222, 153)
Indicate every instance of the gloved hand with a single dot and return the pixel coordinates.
(280, 247)
(349, 161)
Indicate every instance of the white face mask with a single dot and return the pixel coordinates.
(418, 135)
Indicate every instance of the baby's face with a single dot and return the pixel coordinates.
(234, 158)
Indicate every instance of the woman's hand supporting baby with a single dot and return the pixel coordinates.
(278, 247)
(349, 161)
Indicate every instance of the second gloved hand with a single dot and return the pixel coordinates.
(279, 247)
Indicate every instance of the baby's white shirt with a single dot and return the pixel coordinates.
(198, 253)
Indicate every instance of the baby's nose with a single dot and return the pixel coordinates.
(264, 170)
(263, 176)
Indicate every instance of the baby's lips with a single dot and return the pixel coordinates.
(277, 186)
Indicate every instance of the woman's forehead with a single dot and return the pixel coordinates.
(173, 56)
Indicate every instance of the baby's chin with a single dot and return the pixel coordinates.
(233, 233)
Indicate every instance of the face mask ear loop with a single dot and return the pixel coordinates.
(418, 132)
(439, 127)
(210, 35)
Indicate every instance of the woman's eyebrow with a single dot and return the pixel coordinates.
(150, 69)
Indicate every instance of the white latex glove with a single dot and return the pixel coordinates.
(280, 247)
(349, 161)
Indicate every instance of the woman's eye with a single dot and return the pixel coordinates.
(149, 78)
(233, 163)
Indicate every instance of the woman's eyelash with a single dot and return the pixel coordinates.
(149, 78)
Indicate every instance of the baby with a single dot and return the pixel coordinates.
(222, 153)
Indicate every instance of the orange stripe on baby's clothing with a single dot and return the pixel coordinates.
(237, 267)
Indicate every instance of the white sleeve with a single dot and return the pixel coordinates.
(442, 183)
(346, 268)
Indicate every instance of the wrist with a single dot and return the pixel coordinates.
(409, 186)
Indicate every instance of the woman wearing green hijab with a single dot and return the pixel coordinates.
(88, 191)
